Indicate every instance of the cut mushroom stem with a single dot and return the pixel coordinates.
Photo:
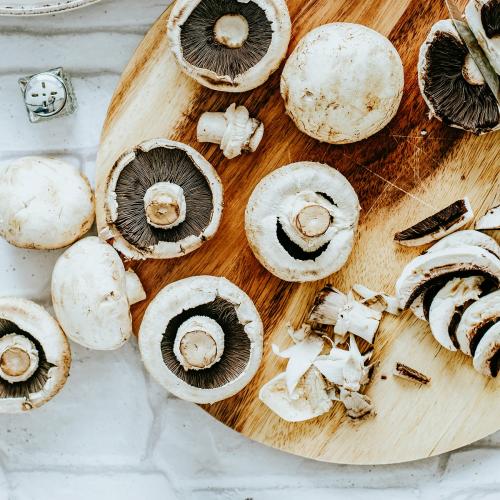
(165, 205)
(490, 221)
(133, 285)
(231, 30)
(18, 358)
(471, 72)
(313, 221)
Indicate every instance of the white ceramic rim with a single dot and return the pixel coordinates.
(44, 7)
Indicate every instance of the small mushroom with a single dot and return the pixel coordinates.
(301, 221)
(489, 221)
(435, 227)
(45, 203)
(342, 83)
(467, 237)
(34, 356)
(487, 356)
(161, 200)
(452, 85)
(483, 18)
(229, 45)
(92, 294)
(234, 130)
(201, 338)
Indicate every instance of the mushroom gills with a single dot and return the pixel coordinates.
(487, 356)
(489, 221)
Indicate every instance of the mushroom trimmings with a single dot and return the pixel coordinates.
(45, 203)
(229, 45)
(301, 221)
(201, 338)
(343, 83)
(161, 200)
(452, 84)
(34, 356)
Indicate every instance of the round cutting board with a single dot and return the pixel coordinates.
(404, 173)
(36, 7)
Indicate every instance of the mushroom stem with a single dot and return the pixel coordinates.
(135, 291)
(199, 343)
(165, 205)
(471, 72)
(18, 358)
(231, 30)
(312, 220)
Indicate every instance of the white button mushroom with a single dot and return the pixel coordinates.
(487, 356)
(92, 294)
(34, 356)
(343, 83)
(45, 203)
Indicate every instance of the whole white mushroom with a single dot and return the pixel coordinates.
(343, 83)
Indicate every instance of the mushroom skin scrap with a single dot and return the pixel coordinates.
(357, 405)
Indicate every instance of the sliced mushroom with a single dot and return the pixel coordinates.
(182, 346)
(468, 237)
(234, 130)
(92, 294)
(452, 85)
(487, 355)
(403, 371)
(379, 301)
(491, 220)
(476, 321)
(435, 227)
(301, 221)
(483, 17)
(342, 83)
(45, 203)
(34, 356)
(162, 200)
(229, 45)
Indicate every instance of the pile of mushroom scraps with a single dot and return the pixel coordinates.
(454, 285)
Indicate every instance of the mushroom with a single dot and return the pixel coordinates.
(467, 237)
(92, 294)
(301, 221)
(234, 130)
(34, 356)
(452, 85)
(342, 83)
(487, 356)
(201, 338)
(476, 321)
(229, 45)
(45, 203)
(491, 220)
(162, 200)
(435, 227)
(483, 18)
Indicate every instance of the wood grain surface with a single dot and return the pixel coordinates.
(400, 176)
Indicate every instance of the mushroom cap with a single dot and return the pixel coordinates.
(267, 227)
(258, 57)
(45, 203)
(467, 237)
(220, 300)
(30, 320)
(343, 83)
(486, 359)
(151, 162)
(469, 107)
(90, 296)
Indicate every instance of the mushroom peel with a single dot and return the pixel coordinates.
(45, 203)
(342, 83)
(467, 237)
(229, 45)
(234, 130)
(34, 356)
(476, 320)
(487, 358)
(357, 405)
(161, 200)
(489, 221)
(435, 267)
(379, 301)
(452, 85)
(92, 294)
(180, 306)
(301, 221)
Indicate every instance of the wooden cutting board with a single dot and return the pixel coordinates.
(401, 176)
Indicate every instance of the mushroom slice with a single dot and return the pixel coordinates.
(301, 221)
(483, 18)
(476, 321)
(435, 268)
(403, 371)
(342, 83)
(452, 85)
(309, 400)
(34, 356)
(161, 200)
(92, 294)
(491, 220)
(181, 343)
(45, 203)
(487, 356)
(379, 301)
(448, 306)
(229, 45)
(467, 237)
(435, 227)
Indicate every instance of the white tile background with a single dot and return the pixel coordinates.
(113, 433)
